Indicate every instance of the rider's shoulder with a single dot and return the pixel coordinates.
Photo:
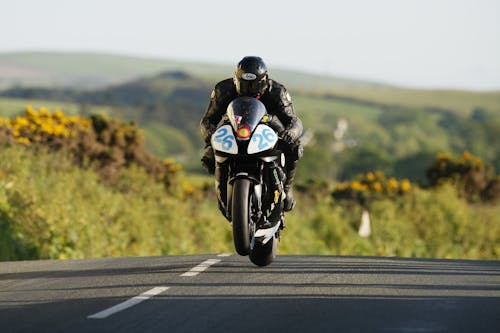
(275, 85)
(279, 92)
(224, 91)
(224, 86)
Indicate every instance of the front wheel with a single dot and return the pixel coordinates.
(241, 215)
(263, 254)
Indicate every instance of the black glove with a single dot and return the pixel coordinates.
(208, 160)
(288, 136)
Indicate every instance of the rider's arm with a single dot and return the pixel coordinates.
(286, 114)
(215, 111)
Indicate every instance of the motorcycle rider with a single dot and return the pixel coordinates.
(251, 79)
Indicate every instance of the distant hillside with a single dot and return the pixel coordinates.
(91, 70)
(386, 128)
(175, 98)
(386, 132)
(169, 105)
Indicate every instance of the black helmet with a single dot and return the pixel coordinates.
(250, 77)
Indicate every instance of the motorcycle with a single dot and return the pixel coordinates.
(250, 176)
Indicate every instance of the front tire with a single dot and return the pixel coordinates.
(241, 215)
(263, 254)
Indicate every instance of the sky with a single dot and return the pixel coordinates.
(413, 43)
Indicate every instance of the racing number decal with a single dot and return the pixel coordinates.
(264, 138)
(224, 139)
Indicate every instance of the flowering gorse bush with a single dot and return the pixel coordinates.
(370, 186)
(106, 144)
(42, 126)
(473, 180)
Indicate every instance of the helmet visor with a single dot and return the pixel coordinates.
(251, 88)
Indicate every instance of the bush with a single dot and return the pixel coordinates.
(468, 173)
(369, 187)
(109, 145)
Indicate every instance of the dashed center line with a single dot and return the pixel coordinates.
(155, 291)
(127, 304)
(201, 267)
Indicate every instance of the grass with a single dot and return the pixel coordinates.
(164, 141)
(13, 106)
(462, 102)
(323, 114)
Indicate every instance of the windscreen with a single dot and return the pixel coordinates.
(245, 111)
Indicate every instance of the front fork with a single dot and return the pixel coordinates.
(262, 216)
(224, 190)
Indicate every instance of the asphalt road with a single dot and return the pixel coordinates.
(228, 293)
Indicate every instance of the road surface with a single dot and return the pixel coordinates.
(226, 293)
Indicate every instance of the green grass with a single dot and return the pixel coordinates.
(12, 106)
(164, 141)
(462, 102)
(322, 113)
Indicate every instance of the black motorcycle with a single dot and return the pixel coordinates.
(250, 177)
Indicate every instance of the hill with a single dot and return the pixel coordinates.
(392, 129)
(92, 70)
(168, 105)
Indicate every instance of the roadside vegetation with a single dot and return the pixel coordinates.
(84, 187)
(116, 171)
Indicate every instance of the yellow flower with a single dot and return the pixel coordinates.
(392, 185)
(58, 130)
(172, 166)
(30, 111)
(21, 121)
(405, 186)
(467, 156)
(58, 114)
(377, 187)
(5, 122)
(370, 177)
(187, 187)
(357, 186)
(44, 112)
(24, 141)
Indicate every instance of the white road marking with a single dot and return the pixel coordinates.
(155, 291)
(127, 304)
(201, 267)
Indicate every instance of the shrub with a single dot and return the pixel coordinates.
(107, 144)
(468, 173)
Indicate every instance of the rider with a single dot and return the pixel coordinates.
(251, 79)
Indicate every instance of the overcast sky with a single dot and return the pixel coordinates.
(419, 43)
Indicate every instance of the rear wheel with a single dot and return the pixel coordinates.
(241, 215)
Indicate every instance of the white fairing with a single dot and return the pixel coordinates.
(267, 234)
(263, 138)
(223, 140)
